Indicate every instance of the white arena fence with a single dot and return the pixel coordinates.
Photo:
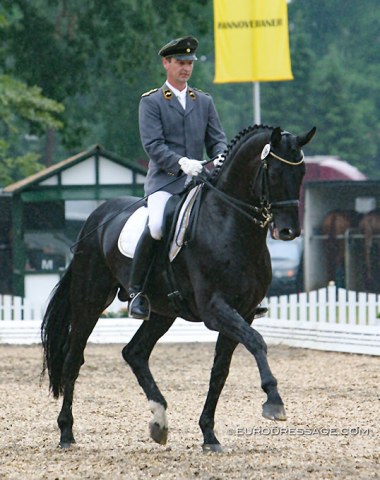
(327, 319)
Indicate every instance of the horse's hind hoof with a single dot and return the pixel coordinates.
(157, 433)
(212, 447)
(274, 411)
(66, 445)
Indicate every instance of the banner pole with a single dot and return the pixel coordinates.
(256, 103)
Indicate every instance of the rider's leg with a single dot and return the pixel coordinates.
(139, 306)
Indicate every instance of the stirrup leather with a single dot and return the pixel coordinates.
(136, 298)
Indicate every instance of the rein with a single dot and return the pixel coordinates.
(244, 207)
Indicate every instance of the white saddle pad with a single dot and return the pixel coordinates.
(135, 225)
(132, 231)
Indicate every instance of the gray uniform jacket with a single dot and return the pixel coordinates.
(168, 132)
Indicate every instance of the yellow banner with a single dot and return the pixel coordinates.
(251, 41)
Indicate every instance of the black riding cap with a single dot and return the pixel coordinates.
(182, 48)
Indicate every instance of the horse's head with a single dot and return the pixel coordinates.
(282, 174)
(261, 177)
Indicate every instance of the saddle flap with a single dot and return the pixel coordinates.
(182, 223)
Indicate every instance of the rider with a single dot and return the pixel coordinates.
(176, 123)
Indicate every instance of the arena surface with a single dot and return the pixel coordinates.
(332, 432)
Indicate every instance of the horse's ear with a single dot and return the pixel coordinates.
(275, 139)
(304, 139)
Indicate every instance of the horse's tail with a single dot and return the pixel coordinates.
(55, 331)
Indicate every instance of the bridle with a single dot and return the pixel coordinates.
(265, 182)
(260, 215)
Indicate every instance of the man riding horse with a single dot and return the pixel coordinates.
(176, 122)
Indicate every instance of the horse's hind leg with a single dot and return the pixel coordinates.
(224, 349)
(73, 362)
(137, 354)
(87, 306)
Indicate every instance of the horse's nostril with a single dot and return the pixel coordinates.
(289, 233)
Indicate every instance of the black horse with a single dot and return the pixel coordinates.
(221, 276)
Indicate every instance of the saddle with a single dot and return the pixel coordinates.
(177, 220)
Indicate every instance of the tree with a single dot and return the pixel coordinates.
(23, 111)
(95, 57)
(343, 130)
(345, 71)
(98, 57)
(290, 103)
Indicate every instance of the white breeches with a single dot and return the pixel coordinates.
(156, 207)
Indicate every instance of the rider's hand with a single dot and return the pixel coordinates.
(218, 160)
(190, 167)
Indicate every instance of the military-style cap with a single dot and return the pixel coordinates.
(182, 48)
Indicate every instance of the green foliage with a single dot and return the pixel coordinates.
(18, 101)
(97, 58)
(342, 89)
(353, 142)
(23, 110)
(16, 168)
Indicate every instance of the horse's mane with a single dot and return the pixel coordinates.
(235, 144)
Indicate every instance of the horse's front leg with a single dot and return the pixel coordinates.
(227, 321)
(137, 354)
(223, 353)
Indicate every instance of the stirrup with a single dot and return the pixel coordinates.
(139, 306)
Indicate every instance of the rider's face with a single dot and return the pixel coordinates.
(178, 71)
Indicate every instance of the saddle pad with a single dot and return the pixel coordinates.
(135, 225)
(132, 232)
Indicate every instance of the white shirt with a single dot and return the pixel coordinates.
(181, 95)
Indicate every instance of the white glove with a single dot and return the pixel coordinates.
(190, 167)
(218, 160)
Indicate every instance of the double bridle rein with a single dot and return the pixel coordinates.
(264, 211)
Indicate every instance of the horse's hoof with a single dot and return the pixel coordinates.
(212, 447)
(274, 411)
(65, 445)
(158, 434)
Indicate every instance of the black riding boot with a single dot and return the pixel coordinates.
(139, 305)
